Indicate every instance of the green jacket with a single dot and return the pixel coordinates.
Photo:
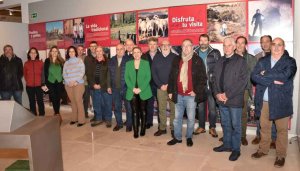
(143, 79)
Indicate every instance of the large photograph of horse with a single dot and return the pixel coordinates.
(152, 23)
(226, 19)
(122, 27)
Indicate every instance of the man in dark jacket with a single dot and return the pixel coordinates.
(149, 56)
(11, 73)
(209, 56)
(161, 68)
(90, 66)
(129, 45)
(186, 88)
(274, 76)
(241, 43)
(229, 86)
(265, 43)
(116, 68)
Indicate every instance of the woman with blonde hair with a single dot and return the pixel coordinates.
(53, 68)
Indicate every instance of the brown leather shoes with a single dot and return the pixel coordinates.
(221, 139)
(257, 155)
(160, 132)
(273, 145)
(244, 141)
(256, 140)
(279, 162)
(199, 131)
(213, 132)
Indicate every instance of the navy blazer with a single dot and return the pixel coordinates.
(280, 96)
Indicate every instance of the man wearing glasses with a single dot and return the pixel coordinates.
(161, 68)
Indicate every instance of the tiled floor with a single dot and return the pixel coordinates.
(99, 148)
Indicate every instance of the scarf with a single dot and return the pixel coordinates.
(184, 70)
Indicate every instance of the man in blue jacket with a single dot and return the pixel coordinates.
(274, 75)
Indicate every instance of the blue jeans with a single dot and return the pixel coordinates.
(118, 97)
(202, 108)
(231, 119)
(107, 102)
(98, 98)
(188, 103)
(6, 95)
(102, 105)
(274, 132)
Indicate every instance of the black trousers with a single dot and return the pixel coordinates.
(139, 114)
(35, 94)
(86, 99)
(55, 93)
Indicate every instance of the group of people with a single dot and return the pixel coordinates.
(199, 79)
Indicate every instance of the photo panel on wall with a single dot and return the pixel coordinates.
(226, 19)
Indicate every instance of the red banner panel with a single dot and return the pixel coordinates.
(37, 36)
(97, 28)
(186, 22)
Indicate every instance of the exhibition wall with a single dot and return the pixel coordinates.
(100, 20)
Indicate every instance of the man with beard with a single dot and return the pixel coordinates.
(161, 68)
(209, 56)
(11, 73)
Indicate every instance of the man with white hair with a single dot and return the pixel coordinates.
(229, 86)
(161, 68)
(129, 45)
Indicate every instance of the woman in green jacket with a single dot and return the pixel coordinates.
(137, 78)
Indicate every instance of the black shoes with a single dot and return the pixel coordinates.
(234, 155)
(222, 149)
(244, 141)
(95, 123)
(174, 141)
(172, 134)
(160, 132)
(80, 124)
(117, 128)
(128, 129)
(279, 162)
(73, 122)
(142, 133)
(149, 125)
(189, 142)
